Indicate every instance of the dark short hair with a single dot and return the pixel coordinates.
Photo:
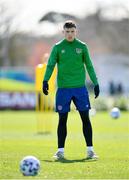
(69, 24)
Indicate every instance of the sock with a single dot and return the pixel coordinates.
(61, 150)
(62, 129)
(90, 148)
(86, 127)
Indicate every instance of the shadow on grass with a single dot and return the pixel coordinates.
(69, 161)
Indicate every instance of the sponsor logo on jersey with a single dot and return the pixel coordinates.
(78, 50)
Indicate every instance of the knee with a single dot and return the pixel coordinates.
(63, 118)
(84, 116)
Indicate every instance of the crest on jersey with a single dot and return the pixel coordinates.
(78, 50)
(63, 51)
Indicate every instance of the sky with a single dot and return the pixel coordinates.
(28, 12)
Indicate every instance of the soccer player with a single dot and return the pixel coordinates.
(72, 58)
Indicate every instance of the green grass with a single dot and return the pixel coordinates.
(19, 137)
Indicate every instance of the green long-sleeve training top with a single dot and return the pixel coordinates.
(72, 59)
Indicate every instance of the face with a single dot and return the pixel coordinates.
(70, 34)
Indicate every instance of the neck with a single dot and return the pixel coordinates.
(70, 41)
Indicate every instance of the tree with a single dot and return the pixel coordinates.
(6, 22)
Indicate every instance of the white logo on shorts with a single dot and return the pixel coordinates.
(87, 105)
(59, 107)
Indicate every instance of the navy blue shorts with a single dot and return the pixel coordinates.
(79, 96)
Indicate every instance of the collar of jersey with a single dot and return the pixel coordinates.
(69, 42)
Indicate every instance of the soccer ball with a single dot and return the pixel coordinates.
(29, 166)
(115, 113)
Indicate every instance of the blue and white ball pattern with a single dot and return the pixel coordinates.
(115, 113)
(29, 166)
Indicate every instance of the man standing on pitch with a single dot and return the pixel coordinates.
(72, 58)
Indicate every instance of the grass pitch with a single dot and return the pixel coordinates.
(19, 138)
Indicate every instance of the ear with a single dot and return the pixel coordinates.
(63, 31)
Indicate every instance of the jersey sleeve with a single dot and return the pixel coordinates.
(51, 63)
(89, 65)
